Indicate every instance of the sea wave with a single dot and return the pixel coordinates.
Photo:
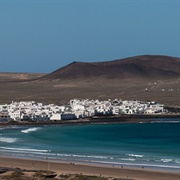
(138, 164)
(80, 156)
(135, 155)
(166, 160)
(89, 156)
(65, 155)
(8, 140)
(24, 149)
(127, 159)
(99, 157)
(84, 156)
(30, 129)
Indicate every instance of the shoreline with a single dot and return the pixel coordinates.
(117, 164)
(88, 169)
(122, 171)
(99, 119)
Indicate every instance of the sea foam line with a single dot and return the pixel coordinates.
(89, 156)
(127, 159)
(135, 155)
(166, 160)
(24, 149)
(30, 129)
(135, 165)
(83, 156)
(8, 140)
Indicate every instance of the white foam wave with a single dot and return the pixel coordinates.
(136, 164)
(166, 160)
(78, 155)
(135, 155)
(127, 159)
(66, 155)
(8, 140)
(24, 149)
(30, 129)
(84, 156)
(100, 157)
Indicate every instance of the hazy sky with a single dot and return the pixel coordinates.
(44, 35)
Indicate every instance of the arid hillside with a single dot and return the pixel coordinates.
(151, 67)
(12, 77)
(155, 78)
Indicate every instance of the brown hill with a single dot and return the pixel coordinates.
(6, 77)
(147, 66)
(155, 78)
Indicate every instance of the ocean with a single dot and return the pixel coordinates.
(153, 145)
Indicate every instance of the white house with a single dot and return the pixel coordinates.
(55, 116)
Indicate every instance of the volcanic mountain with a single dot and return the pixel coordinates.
(146, 66)
(147, 77)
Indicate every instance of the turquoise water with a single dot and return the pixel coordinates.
(144, 144)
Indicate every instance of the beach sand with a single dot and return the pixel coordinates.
(60, 167)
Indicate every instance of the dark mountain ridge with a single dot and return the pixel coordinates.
(145, 66)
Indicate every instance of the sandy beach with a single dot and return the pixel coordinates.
(76, 168)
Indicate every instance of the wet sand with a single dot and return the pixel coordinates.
(61, 167)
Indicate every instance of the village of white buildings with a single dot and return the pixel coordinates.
(76, 109)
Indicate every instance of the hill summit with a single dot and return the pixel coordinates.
(145, 66)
